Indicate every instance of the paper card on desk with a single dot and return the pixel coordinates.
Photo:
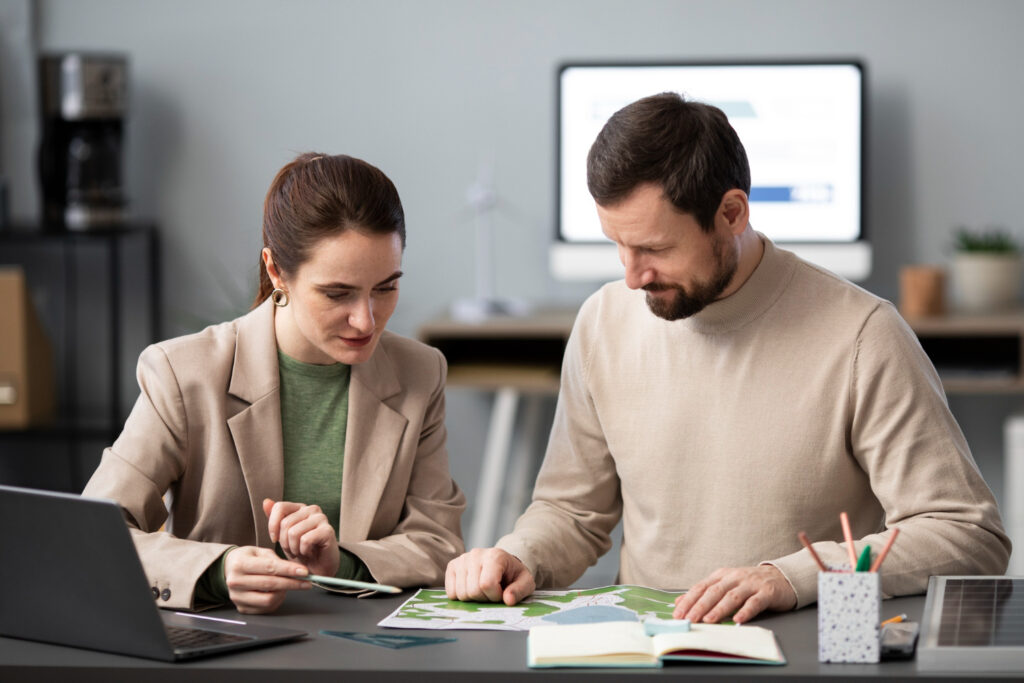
(624, 644)
(431, 609)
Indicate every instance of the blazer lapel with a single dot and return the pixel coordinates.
(372, 440)
(256, 429)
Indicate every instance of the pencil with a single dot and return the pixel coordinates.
(807, 544)
(347, 583)
(844, 519)
(885, 549)
(895, 620)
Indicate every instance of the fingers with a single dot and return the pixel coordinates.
(302, 530)
(521, 586)
(275, 513)
(743, 593)
(257, 603)
(705, 594)
(686, 601)
(299, 535)
(754, 605)
(464, 577)
(491, 573)
(258, 579)
(488, 574)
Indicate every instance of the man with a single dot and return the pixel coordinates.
(752, 397)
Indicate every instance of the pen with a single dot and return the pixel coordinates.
(807, 544)
(895, 620)
(845, 521)
(347, 583)
(885, 549)
(864, 561)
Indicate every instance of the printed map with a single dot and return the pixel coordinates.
(431, 609)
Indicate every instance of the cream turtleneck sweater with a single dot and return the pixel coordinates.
(717, 438)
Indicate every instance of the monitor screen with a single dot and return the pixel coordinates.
(800, 123)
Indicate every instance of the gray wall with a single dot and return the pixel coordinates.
(225, 92)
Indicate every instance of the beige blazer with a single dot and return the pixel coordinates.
(206, 429)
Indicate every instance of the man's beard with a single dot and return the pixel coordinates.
(686, 303)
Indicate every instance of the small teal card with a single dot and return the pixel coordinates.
(395, 642)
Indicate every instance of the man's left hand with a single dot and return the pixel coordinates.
(743, 592)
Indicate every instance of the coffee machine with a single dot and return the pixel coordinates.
(83, 99)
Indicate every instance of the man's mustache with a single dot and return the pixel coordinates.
(657, 287)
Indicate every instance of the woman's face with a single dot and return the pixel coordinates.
(340, 299)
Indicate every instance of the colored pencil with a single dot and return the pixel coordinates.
(885, 549)
(807, 544)
(845, 521)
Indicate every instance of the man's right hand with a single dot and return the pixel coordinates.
(258, 579)
(488, 574)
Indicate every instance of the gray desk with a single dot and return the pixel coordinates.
(492, 657)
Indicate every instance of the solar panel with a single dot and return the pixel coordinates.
(973, 623)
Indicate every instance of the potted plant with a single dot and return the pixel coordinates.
(986, 270)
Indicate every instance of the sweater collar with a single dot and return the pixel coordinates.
(750, 301)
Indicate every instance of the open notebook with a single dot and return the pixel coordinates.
(625, 643)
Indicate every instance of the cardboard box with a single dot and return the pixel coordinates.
(27, 396)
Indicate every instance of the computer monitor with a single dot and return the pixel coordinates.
(801, 123)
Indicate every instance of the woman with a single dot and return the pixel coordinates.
(303, 423)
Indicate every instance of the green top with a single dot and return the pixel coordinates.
(314, 410)
(314, 414)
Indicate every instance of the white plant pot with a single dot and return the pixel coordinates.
(986, 282)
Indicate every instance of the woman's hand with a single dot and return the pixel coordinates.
(305, 535)
(258, 579)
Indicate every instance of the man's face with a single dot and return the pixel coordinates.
(667, 254)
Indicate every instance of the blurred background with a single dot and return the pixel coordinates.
(436, 93)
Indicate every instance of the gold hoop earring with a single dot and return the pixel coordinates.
(279, 297)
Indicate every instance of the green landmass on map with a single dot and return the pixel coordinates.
(649, 601)
(643, 601)
(438, 598)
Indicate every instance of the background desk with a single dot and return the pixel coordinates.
(477, 656)
(520, 360)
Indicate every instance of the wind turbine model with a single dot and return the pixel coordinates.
(483, 200)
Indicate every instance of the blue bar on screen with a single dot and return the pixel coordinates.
(808, 193)
(771, 194)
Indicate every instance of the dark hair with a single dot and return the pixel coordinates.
(687, 147)
(315, 196)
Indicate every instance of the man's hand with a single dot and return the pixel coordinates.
(745, 591)
(258, 579)
(305, 535)
(488, 574)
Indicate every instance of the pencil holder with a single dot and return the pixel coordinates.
(849, 605)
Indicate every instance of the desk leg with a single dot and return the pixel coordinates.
(489, 486)
(518, 487)
(1013, 490)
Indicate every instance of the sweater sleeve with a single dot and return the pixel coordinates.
(920, 467)
(136, 471)
(577, 499)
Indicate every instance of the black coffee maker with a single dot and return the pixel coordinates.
(83, 101)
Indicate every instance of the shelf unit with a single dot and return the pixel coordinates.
(98, 295)
(975, 353)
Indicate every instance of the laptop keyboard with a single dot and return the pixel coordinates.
(192, 638)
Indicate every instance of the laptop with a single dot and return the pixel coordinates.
(70, 575)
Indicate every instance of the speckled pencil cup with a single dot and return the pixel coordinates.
(849, 608)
